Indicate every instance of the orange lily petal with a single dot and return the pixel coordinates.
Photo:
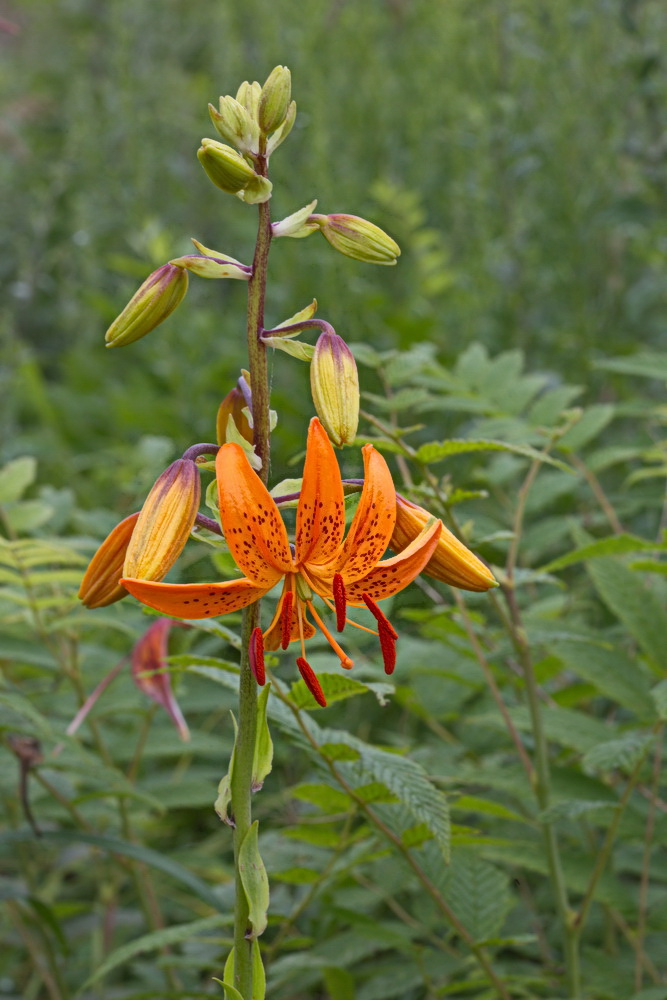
(195, 600)
(278, 631)
(251, 521)
(373, 524)
(392, 575)
(320, 516)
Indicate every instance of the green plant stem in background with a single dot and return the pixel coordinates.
(241, 786)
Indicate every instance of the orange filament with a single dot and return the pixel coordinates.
(311, 681)
(379, 616)
(340, 599)
(256, 656)
(299, 619)
(286, 618)
(345, 660)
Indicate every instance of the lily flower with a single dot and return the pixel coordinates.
(322, 561)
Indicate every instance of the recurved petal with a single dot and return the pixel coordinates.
(373, 523)
(195, 600)
(320, 516)
(251, 521)
(392, 575)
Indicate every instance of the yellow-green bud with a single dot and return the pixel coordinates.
(275, 99)
(156, 299)
(100, 585)
(248, 95)
(282, 131)
(452, 562)
(257, 191)
(235, 124)
(334, 384)
(358, 238)
(165, 522)
(224, 166)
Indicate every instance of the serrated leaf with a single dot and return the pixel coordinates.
(15, 478)
(435, 451)
(339, 751)
(624, 752)
(610, 670)
(478, 892)
(336, 687)
(634, 604)
(255, 881)
(659, 696)
(323, 796)
(416, 835)
(575, 809)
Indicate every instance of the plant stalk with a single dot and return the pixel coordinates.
(241, 786)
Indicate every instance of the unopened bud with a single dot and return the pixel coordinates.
(233, 406)
(235, 124)
(248, 95)
(224, 166)
(100, 585)
(258, 190)
(452, 562)
(275, 99)
(283, 130)
(150, 672)
(149, 306)
(358, 238)
(334, 384)
(165, 522)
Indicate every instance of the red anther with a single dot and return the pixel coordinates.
(256, 656)
(388, 647)
(379, 616)
(340, 600)
(286, 618)
(311, 681)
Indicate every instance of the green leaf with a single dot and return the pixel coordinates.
(126, 849)
(478, 892)
(255, 880)
(27, 515)
(16, 477)
(336, 687)
(623, 753)
(650, 364)
(154, 941)
(258, 974)
(263, 754)
(339, 751)
(575, 809)
(230, 991)
(323, 796)
(614, 545)
(612, 672)
(634, 604)
(659, 696)
(435, 451)
(592, 423)
(339, 983)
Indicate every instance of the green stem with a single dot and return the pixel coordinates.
(241, 786)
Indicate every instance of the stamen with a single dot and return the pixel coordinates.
(379, 616)
(311, 681)
(345, 660)
(286, 618)
(299, 612)
(388, 647)
(340, 598)
(348, 621)
(256, 656)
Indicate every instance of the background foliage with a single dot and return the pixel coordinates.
(517, 153)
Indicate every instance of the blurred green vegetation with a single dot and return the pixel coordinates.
(517, 152)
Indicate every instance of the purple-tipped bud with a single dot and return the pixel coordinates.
(358, 238)
(149, 306)
(149, 672)
(334, 384)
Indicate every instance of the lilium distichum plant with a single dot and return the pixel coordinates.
(324, 571)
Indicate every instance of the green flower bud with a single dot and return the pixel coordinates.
(235, 125)
(224, 166)
(283, 131)
(257, 191)
(358, 238)
(248, 95)
(334, 384)
(275, 99)
(165, 522)
(149, 306)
